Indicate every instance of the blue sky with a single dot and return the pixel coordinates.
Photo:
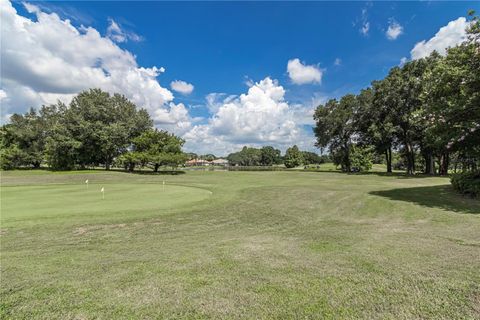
(227, 48)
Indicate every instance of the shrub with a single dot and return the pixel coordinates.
(467, 183)
(12, 157)
(293, 157)
(61, 151)
(361, 158)
(255, 168)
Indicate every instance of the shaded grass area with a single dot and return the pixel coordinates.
(263, 245)
(442, 196)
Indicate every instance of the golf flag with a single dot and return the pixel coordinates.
(163, 185)
(103, 193)
(86, 181)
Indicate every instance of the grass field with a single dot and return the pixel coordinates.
(223, 245)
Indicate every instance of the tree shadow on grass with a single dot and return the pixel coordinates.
(153, 173)
(442, 196)
(398, 175)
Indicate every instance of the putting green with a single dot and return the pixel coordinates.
(50, 201)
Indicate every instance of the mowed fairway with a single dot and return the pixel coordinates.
(255, 245)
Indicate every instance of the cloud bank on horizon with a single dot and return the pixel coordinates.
(44, 60)
(260, 116)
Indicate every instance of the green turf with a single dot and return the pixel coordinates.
(77, 200)
(255, 245)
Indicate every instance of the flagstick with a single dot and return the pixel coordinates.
(103, 193)
(86, 181)
(163, 185)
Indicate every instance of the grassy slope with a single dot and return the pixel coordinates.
(262, 245)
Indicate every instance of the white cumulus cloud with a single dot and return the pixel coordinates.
(49, 59)
(181, 87)
(259, 117)
(117, 34)
(300, 73)
(448, 36)
(394, 30)
(3, 95)
(174, 118)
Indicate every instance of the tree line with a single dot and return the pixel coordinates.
(95, 129)
(427, 110)
(269, 156)
(98, 129)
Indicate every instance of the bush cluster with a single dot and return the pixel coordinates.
(467, 183)
(255, 168)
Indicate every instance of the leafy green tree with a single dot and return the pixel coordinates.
(311, 158)
(402, 96)
(130, 160)
(251, 156)
(61, 149)
(25, 134)
(361, 158)
(246, 157)
(234, 158)
(374, 121)
(105, 125)
(269, 156)
(452, 99)
(12, 157)
(159, 148)
(426, 109)
(293, 157)
(335, 128)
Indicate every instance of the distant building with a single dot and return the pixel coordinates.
(220, 162)
(197, 162)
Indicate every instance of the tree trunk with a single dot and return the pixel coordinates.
(441, 168)
(410, 159)
(348, 166)
(432, 165)
(388, 157)
(429, 163)
(155, 169)
(107, 165)
(444, 162)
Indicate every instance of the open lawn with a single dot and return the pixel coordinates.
(261, 245)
